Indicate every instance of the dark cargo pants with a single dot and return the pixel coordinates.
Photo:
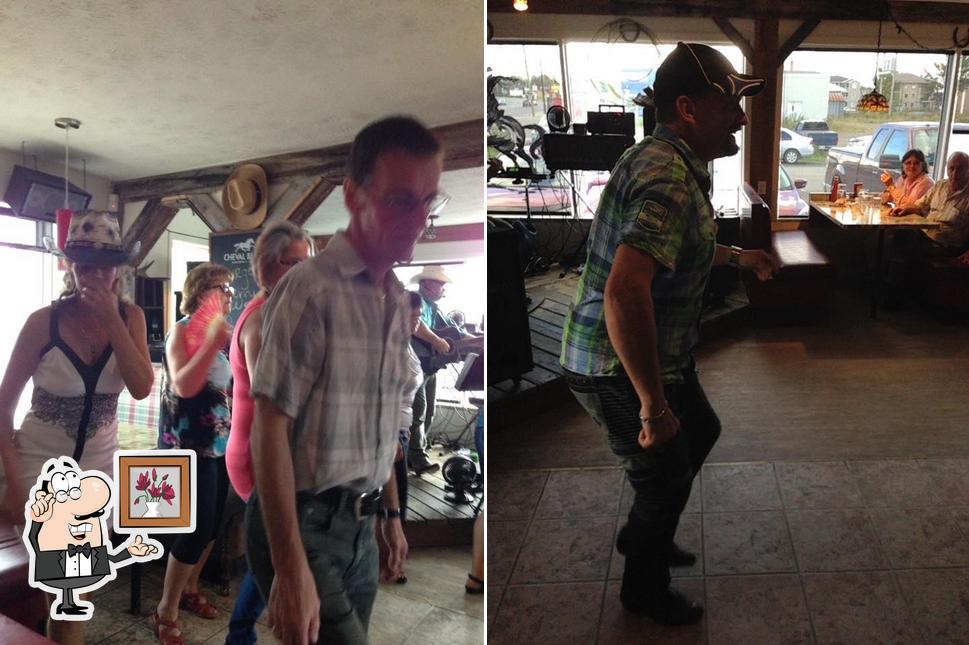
(661, 476)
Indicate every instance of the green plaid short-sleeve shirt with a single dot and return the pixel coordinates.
(657, 200)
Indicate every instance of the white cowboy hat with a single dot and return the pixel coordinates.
(94, 238)
(431, 272)
(245, 196)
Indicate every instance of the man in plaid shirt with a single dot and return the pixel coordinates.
(629, 337)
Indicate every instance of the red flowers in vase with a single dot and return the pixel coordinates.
(154, 489)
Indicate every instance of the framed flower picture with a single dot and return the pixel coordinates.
(155, 489)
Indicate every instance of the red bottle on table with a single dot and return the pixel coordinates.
(835, 186)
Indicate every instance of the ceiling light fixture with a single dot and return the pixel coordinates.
(67, 124)
(874, 101)
(520, 5)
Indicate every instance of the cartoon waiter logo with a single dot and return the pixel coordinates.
(65, 536)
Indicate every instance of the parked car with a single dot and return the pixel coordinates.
(820, 134)
(794, 146)
(885, 151)
(789, 200)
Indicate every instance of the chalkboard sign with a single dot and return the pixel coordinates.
(234, 250)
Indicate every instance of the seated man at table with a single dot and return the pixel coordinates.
(947, 202)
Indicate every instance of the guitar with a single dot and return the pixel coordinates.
(461, 346)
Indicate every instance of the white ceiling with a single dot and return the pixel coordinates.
(168, 86)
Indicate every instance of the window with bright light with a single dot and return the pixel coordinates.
(531, 82)
(465, 294)
(39, 282)
(821, 91)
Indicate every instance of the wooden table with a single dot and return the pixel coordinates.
(870, 214)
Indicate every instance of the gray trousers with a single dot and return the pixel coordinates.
(423, 410)
(343, 557)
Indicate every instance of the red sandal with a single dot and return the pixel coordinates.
(198, 605)
(163, 630)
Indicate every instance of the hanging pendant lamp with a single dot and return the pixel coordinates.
(874, 101)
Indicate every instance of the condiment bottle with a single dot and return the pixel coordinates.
(835, 185)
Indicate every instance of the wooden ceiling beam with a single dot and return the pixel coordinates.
(463, 144)
(902, 10)
(149, 226)
(309, 201)
(795, 39)
(288, 195)
(209, 211)
(735, 36)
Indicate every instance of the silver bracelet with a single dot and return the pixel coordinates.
(645, 420)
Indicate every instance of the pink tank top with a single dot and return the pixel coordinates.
(238, 454)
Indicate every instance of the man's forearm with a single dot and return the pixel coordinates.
(631, 324)
(391, 498)
(275, 482)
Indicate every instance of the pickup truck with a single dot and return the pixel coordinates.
(885, 151)
(819, 133)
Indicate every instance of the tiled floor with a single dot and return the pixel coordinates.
(431, 608)
(794, 552)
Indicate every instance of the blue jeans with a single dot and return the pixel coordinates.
(343, 558)
(249, 606)
(661, 476)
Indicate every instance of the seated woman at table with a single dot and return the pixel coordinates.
(913, 183)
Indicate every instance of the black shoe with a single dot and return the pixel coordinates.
(680, 557)
(670, 608)
(71, 610)
(420, 464)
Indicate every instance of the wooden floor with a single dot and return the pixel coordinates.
(431, 519)
(549, 296)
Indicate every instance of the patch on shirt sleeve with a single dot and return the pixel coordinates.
(652, 215)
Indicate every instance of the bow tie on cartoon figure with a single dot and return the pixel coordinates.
(65, 537)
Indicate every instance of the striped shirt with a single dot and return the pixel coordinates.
(334, 358)
(656, 201)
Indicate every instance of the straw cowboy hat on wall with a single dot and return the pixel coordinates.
(245, 196)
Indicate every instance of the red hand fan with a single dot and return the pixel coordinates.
(197, 328)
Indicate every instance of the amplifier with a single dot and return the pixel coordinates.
(584, 152)
(612, 122)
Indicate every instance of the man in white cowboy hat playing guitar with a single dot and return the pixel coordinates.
(431, 282)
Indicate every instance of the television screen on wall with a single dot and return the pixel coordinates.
(37, 195)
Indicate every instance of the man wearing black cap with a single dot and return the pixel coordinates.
(628, 343)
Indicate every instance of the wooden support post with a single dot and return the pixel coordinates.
(763, 132)
(149, 226)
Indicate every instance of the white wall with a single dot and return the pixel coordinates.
(810, 91)
(99, 187)
(185, 225)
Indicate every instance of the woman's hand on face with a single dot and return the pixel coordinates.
(101, 300)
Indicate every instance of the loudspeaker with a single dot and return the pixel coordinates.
(584, 152)
(37, 195)
(509, 346)
(612, 122)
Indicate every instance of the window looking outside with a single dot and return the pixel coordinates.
(39, 281)
(820, 93)
(605, 75)
(532, 83)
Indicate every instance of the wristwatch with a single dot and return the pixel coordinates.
(734, 259)
(390, 513)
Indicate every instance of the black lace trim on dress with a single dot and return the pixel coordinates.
(64, 411)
